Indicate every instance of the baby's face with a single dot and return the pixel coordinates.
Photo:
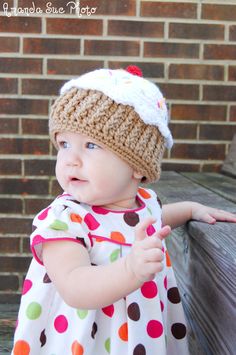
(93, 174)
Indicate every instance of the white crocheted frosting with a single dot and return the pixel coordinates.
(128, 89)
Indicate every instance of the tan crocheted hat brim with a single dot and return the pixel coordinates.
(117, 127)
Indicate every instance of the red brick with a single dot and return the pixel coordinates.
(56, 188)
(13, 264)
(232, 72)
(10, 166)
(9, 125)
(196, 31)
(232, 32)
(41, 86)
(198, 151)
(9, 283)
(180, 91)
(9, 245)
(213, 167)
(8, 86)
(34, 126)
(52, 7)
(72, 26)
(24, 146)
(9, 44)
(220, 132)
(24, 186)
(72, 67)
(10, 225)
(10, 298)
(39, 167)
(121, 7)
(233, 113)
(21, 65)
(33, 205)
(8, 205)
(220, 51)
(183, 131)
(51, 46)
(196, 72)
(20, 24)
(26, 245)
(113, 48)
(9, 2)
(149, 69)
(171, 50)
(168, 9)
(180, 166)
(24, 106)
(199, 112)
(219, 12)
(136, 28)
(219, 93)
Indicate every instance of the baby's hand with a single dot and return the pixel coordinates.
(211, 215)
(146, 256)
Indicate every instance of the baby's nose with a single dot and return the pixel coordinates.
(75, 160)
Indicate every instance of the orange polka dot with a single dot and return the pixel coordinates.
(77, 348)
(144, 193)
(21, 348)
(76, 218)
(99, 239)
(168, 261)
(118, 237)
(123, 332)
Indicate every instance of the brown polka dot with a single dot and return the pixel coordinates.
(139, 350)
(134, 311)
(94, 330)
(46, 279)
(43, 338)
(159, 201)
(178, 330)
(173, 295)
(131, 218)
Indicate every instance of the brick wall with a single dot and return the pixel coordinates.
(188, 47)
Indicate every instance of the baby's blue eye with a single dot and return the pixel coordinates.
(91, 145)
(64, 145)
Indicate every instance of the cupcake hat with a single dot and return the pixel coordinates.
(120, 109)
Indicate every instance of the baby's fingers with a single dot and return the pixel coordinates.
(141, 228)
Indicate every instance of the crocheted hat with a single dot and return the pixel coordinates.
(124, 112)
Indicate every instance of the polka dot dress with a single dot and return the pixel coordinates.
(148, 321)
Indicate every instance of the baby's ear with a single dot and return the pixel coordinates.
(137, 175)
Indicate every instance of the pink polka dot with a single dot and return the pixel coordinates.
(91, 222)
(37, 239)
(61, 324)
(99, 210)
(149, 289)
(150, 230)
(26, 286)
(154, 329)
(162, 306)
(44, 214)
(165, 282)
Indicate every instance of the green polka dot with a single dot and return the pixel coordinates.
(59, 225)
(149, 210)
(108, 345)
(115, 255)
(33, 311)
(82, 313)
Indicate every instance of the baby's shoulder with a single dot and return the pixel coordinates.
(149, 196)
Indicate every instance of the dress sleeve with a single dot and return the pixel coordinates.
(62, 220)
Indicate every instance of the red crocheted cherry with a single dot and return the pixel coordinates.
(134, 69)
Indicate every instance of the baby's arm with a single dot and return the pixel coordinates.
(84, 286)
(177, 214)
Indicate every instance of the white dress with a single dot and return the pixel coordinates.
(148, 321)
